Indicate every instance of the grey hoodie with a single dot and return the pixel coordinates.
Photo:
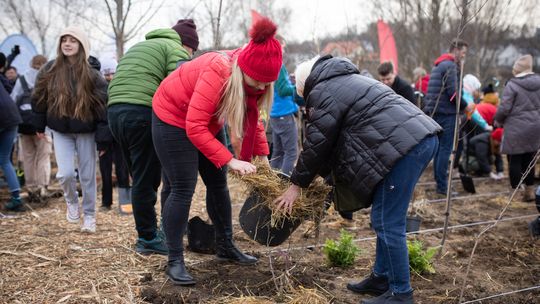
(519, 114)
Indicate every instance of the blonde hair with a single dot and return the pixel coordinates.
(232, 108)
(301, 74)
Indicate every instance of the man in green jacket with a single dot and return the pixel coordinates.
(138, 75)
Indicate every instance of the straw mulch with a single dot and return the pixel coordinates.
(45, 259)
(243, 300)
(269, 185)
(299, 295)
(303, 295)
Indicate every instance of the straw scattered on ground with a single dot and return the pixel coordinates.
(307, 296)
(45, 259)
(244, 300)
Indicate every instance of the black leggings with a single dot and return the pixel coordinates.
(181, 161)
(517, 166)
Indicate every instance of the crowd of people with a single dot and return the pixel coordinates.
(163, 118)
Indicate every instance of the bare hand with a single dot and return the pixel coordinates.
(241, 167)
(102, 152)
(286, 200)
(40, 135)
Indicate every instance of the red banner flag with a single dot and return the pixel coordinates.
(387, 44)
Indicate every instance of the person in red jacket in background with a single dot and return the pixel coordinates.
(488, 106)
(421, 80)
(190, 108)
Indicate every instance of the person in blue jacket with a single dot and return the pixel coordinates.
(283, 122)
(440, 104)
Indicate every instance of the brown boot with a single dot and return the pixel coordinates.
(528, 194)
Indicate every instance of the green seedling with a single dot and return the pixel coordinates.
(343, 252)
(420, 259)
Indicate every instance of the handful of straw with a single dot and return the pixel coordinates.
(266, 181)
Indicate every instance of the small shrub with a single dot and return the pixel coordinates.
(343, 252)
(420, 259)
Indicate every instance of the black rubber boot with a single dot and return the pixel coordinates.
(218, 205)
(227, 251)
(177, 272)
(374, 285)
(391, 298)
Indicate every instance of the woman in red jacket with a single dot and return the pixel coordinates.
(190, 108)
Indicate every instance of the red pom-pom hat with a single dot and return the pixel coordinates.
(261, 58)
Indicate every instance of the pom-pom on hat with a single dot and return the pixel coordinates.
(187, 30)
(261, 58)
(488, 89)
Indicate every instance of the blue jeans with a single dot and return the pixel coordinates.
(285, 143)
(7, 136)
(442, 156)
(389, 213)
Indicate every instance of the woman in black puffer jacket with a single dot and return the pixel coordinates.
(377, 144)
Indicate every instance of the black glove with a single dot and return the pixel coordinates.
(16, 50)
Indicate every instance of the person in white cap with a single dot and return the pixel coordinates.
(70, 98)
(113, 154)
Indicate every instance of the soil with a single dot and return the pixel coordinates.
(43, 259)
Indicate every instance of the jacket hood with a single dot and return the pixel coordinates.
(328, 67)
(445, 57)
(163, 33)
(529, 82)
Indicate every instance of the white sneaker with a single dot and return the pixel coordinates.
(89, 224)
(494, 175)
(43, 192)
(500, 175)
(72, 214)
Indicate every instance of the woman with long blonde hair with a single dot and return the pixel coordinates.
(190, 108)
(69, 98)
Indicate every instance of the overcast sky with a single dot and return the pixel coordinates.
(309, 17)
(325, 17)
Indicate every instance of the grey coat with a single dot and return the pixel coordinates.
(519, 114)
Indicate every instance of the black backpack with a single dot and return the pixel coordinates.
(24, 104)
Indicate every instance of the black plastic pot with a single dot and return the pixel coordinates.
(255, 221)
(413, 223)
(201, 236)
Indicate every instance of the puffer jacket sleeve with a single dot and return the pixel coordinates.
(450, 81)
(507, 103)
(324, 124)
(261, 143)
(103, 135)
(173, 56)
(201, 110)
